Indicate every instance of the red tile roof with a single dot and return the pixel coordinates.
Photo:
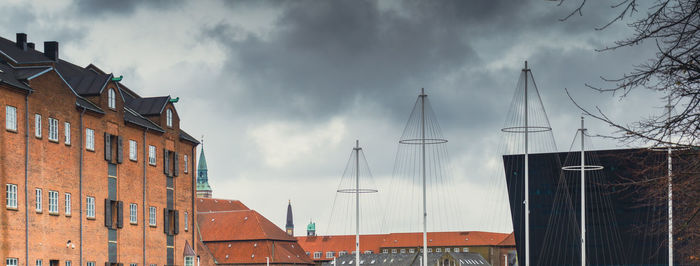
(238, 225)
(395, 240)
(255, 252)
(214, 205)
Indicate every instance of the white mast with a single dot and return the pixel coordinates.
(425, 213)
(357, 202)
(583, 196)
(527, 180)
(669, 107)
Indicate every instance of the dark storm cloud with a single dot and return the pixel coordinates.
(122, 7)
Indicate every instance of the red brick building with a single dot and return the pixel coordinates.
(91, 172)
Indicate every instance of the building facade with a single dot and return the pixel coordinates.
(92, 173)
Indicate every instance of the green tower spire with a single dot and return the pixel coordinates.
(203, 188)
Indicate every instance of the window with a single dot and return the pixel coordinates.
(111, 99)
(53, 129)
(66, 132)
(341, 253)
(456, 250)
(152, 216)
(89, 139)
(133, 210)
(11, 118)
(187, 164)
(368, 252)
(169, 118)
(403, 251)
(386, 251)
(393, 251)
(447, 249)
(151, 155)
(186, 224)
(39, 262)
(133, 264)
(133, 150)
(329, 254)
(412, 250)
(90, 207)
(189, 261)
(53, 201)
(11, 196)
(38, 200)
(67, 202)
(12, 262)
(465, 249)
(68, 263)
(317, 255)
(438, 250)
(430, 250)
(37, 125)
(90, 263)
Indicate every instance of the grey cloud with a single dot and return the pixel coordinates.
(123, 7)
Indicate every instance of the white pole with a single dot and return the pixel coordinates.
(425, 213)
(527, 179)
(670, 190)
(505, 259)
(583, 197)
(357, 203)
(267, 261)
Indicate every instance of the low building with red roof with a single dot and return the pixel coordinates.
(494, 247)
(232, 234)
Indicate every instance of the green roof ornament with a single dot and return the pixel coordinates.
(311, 226)
(175, 100)
(118, 79)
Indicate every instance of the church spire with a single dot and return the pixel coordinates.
(290, 220)
(203, 188)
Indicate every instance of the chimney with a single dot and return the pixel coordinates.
(22, 41)
(30, 45)
(51, 50)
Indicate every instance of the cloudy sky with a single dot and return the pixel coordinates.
(282, 89)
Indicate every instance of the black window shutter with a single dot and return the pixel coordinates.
(176, 162)
(166, 165)
(120, 150)
(108, 264)
(108, 213)
(176, 222)
(166, 225)
(108, 147)
(120, 214)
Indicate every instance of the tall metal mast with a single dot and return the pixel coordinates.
(357, 202)
(669, 107)
(583, 196)
(425, 213)
(527, 179)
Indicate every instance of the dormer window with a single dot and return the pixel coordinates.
(169, 118)
(111, 99)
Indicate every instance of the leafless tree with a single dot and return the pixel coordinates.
(674, 27)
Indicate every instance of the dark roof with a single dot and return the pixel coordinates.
(8, 76)
(84, 103)
(130, 116)
(17, 55)
(290, 220)
(84, 81)
(148, 106)
(23, 73)
(188, 137)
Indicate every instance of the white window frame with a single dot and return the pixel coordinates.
(89, 139)
(465, 249)
(438, 250)
(368, 252)
(342, 253)
(38, 203)
(133, 150)
(187, 163)
(189, 261)
(90, 207)
(111, 99)
(53, 202)
(317, 255)
(152, 216)
(12, 261)
(393, 251)
(90, 263)
(385, 251)
(53, 129)
(430, 250)
(169, 117)
(11, 118)
(133, 264)
(402, 251)
(39, 262)
(330, 254)
(67, 202)
(133, 213)
(186, 222)
(68, 263)
(412, 250)
(37, 125)
(11, 196)
(152, 155)
(66, 132)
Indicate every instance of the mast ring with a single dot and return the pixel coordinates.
(420, 141)
(585, 168)
(523, 129)
(361, 190)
